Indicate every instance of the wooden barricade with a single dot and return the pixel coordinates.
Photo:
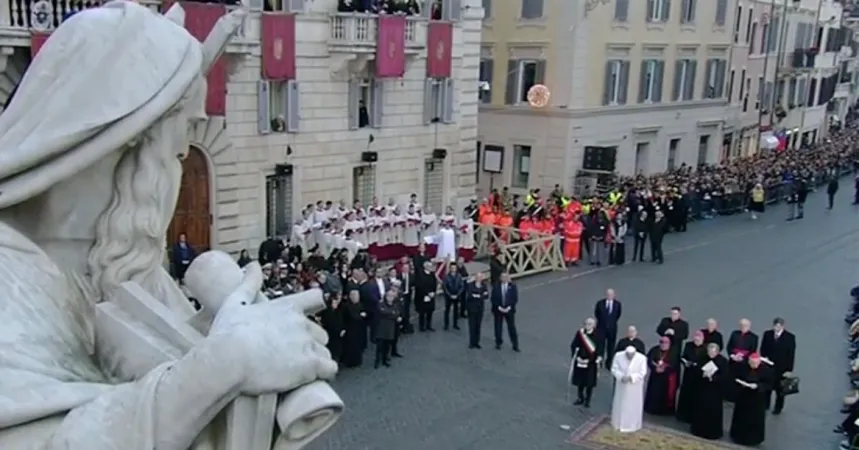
(540, 253)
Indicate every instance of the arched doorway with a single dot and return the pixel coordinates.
(193, 215)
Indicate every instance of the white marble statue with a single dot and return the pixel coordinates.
(90, 169)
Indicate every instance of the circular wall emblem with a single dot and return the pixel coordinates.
(277, 50)
(41, 16)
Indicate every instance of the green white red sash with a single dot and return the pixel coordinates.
(587, 343)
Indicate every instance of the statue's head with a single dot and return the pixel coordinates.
(103, 116)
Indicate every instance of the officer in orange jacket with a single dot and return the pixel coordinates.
(572, 239)
(505, 222)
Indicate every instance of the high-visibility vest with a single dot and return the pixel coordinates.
(614, 197)
(565, 202)
(758, 195)
(529, 200)
(586, 209)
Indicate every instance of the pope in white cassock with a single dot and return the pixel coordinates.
(627, 407)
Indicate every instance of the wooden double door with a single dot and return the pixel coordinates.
(193, 215)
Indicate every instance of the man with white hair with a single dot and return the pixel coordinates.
(627, 407)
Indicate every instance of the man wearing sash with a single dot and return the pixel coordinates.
(585, 350)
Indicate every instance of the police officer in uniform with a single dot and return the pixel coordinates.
(475, 298)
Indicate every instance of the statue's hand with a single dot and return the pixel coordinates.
(274, 343)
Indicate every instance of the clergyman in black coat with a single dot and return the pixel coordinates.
(779, 347)
(607, 312)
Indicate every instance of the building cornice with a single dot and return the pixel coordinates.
(601, 110)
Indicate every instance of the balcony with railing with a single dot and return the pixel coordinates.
(358, 33)
(21, 17)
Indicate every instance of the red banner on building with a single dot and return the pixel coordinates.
(37, 40)
(200, 18)
(439, 47)
(391, 47)
(278, 46)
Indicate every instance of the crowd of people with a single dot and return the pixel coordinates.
(402, 7)
(686, 378)
(644, 209)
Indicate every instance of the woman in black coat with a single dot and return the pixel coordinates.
(332, 320)
(386, 328)
(693, 353)
(355, 327)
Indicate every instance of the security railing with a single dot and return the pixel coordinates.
(360, 30)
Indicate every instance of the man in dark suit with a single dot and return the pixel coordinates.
(372, 290)
(779, 347)
(504, 298)
(607, 312)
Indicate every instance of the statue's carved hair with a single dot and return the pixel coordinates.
(130, 236)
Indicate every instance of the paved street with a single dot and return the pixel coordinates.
(444, 396)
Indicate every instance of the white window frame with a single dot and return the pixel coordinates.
(521, 92)
(684, 72)
(689, 18)
(369, 91)
(656, 17)
(712, 78)
(438, 100)
(521, 166)
(749, 22)
(650, 79)
(614, 92)
(280, 97)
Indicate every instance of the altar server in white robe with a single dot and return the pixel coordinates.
(465, 236)
(299, 236)
(398, 220)
(411, 235)
(627, 407)
(359, 228)
(429, 222)
(446, 241)
(373, 222)
(449, 218)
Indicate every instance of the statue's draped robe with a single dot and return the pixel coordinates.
(104, 77)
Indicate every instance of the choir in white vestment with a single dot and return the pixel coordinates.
(627, 407)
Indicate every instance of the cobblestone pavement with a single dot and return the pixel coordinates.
(444, 396)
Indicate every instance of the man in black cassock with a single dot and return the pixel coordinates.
(585, 350)
(707, 419)
(674, 328)
(748, 424)
(712, 335)
(664, 379)
(631, 339)
(741, 344)
(425, 290)
(779, 347)
(693, 352)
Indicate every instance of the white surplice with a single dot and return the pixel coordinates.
(627, 406)
(446, 240)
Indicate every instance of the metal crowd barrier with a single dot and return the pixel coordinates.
(705, 205)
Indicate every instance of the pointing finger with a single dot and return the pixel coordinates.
(309, 302)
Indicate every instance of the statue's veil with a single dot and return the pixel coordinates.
(104, 76)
